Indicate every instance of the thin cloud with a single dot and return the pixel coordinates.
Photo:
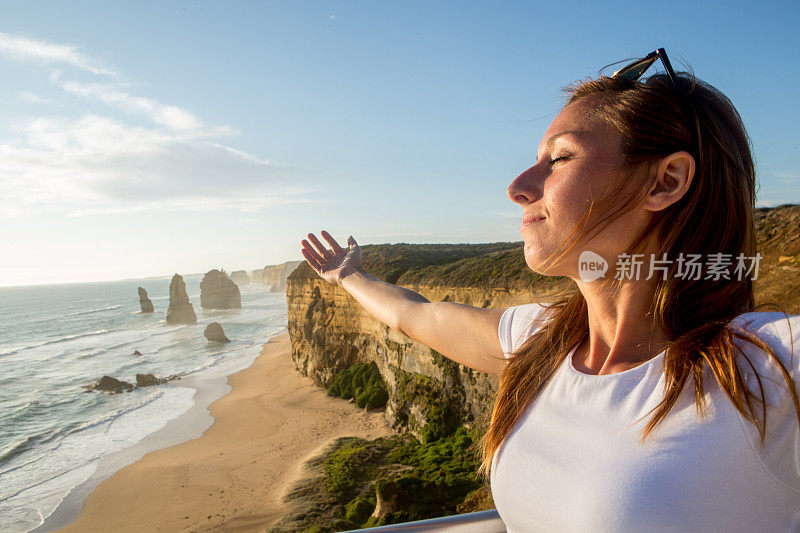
(170, 116)
(33, 98)
(96, 164)
(23, 49)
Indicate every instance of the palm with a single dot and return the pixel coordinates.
(331, 264)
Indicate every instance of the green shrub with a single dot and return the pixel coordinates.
(443, 474)
(363, 382)
(346, 468)
(359, 510)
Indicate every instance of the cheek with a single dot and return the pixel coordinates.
(566, 201)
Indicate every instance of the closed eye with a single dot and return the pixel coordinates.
(557, 159)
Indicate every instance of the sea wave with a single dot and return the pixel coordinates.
(91, 311)
(65, 338)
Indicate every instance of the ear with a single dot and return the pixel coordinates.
(673, 178)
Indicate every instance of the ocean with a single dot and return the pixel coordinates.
(55, 339)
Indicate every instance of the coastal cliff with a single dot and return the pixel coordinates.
(429, 395)
(274, 276)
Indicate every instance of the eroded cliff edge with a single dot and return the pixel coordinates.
(330, 331)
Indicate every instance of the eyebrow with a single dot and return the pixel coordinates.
(555, 136)
(550, 140)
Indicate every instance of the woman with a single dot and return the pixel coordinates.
(651, 398)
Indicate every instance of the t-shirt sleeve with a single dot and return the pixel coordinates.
(780, 453)
(517, 324)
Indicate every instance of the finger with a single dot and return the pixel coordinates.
(313, 253)
(322, 250)
(311, 261)
(334, 245)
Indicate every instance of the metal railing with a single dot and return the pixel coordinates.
(480, 522)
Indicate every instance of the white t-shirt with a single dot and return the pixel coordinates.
(572, 463)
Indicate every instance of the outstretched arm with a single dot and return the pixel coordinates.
(465, 334)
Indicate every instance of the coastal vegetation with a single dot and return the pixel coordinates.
(363, 383)
(361, 483)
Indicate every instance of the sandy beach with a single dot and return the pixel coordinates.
(233, 477)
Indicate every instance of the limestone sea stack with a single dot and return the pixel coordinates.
(218, 291)
(241, 278)
(214, 332)
(180, 309)
(144, 301)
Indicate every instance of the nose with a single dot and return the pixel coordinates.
(525, 188)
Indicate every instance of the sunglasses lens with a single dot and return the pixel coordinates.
(635, 70)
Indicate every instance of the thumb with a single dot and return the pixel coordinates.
(351, 241)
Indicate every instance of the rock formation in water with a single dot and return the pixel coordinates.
(218, 291)
(148, 380)
(112, 385)
(241, 278)
(144, 301)
(214, 332)
(180, 309)
(275, 276)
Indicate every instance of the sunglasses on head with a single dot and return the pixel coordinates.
(634, 70)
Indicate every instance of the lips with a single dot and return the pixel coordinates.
(530, 219)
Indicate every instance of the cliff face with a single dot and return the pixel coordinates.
(240, 277)
(275, 276)
(257, 276)
(180, 310)
(218, 291)
(331, 331)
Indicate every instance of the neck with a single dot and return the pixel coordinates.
(622, 333)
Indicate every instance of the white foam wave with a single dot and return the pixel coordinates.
(91, 311)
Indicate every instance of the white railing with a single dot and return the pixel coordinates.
(480, 522)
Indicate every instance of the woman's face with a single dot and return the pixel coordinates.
(579, 161)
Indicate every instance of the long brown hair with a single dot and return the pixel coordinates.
(715, 215)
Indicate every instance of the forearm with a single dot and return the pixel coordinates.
(382, 300)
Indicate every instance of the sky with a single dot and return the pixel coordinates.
(147, 138)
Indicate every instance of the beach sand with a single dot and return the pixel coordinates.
(233, 477)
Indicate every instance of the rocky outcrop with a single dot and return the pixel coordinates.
(148, 380)
(241, 278)
(112, 385)
(144, 301)
(214, 332)
(275, 276)
(180, 310)
(331, 331)
(218, 291)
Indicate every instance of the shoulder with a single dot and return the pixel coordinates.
(782, 334)
(780, 453)
(519, 322)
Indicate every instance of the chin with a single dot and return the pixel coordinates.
(535, 260)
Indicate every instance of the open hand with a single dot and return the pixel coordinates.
(335, 264)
